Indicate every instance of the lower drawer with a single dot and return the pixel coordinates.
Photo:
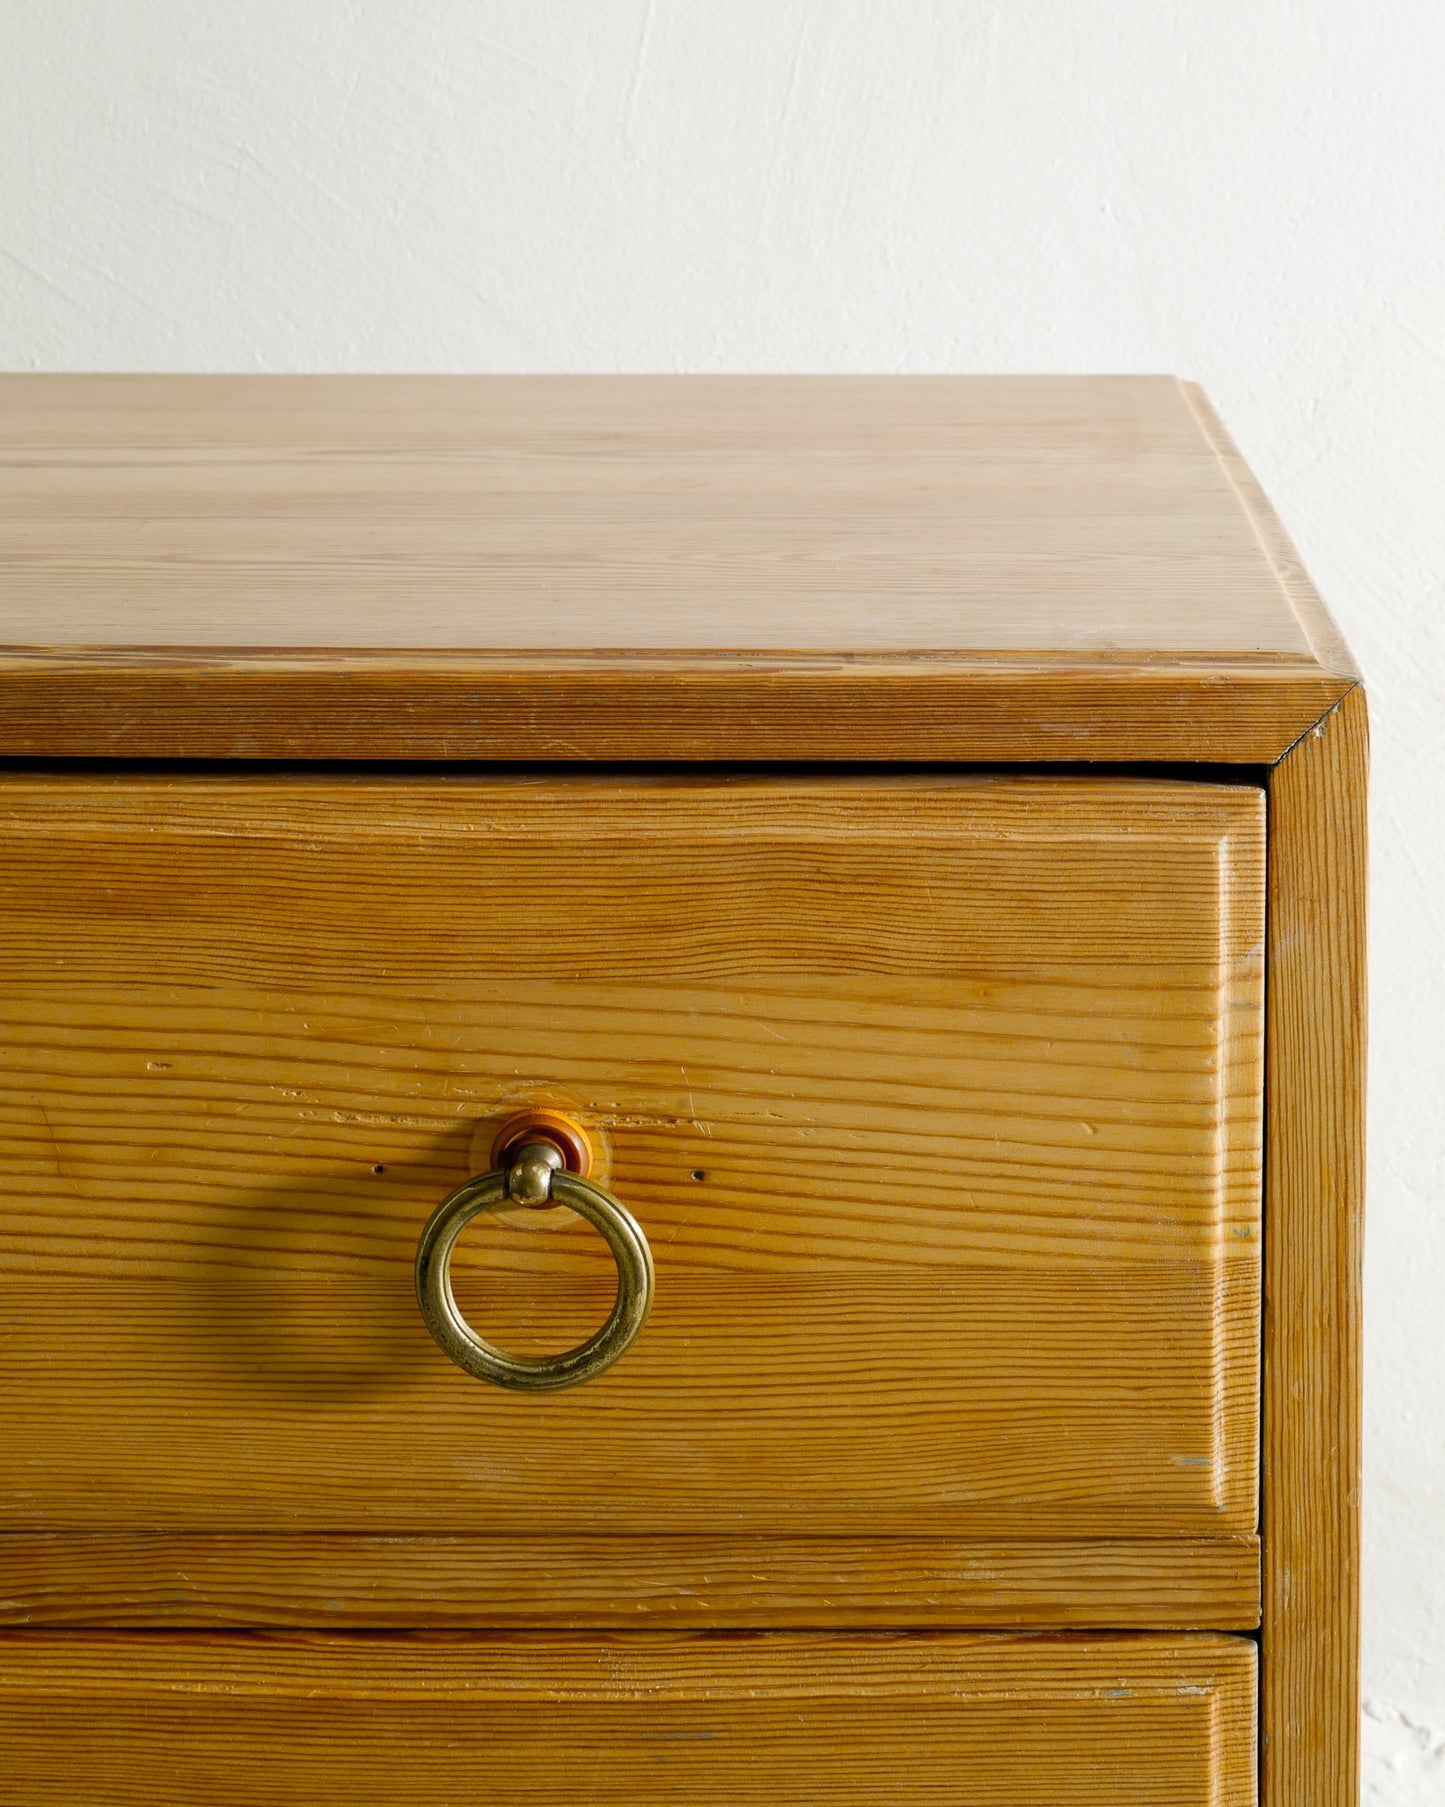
(98, 1719)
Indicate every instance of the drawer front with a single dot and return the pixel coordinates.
(736, 1722)
(938, 1099)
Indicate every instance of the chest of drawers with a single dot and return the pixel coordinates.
(898, 845)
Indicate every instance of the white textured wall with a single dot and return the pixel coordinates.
(1249, 192)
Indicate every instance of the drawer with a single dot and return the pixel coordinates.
(937, 1097)
(955, 1721)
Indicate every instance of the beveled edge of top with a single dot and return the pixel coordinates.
(1325, 639)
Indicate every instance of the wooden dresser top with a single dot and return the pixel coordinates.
(644, 567)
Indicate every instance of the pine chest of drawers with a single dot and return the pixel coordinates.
(851, 885)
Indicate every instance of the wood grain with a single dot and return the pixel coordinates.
(838, 515)
(938, 1098)
(264, 1720)
(588, 568)
(528, 1581)
(967, 1405)
(1311, 1475)
(573, 710)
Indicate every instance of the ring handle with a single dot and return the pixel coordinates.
(533, 1178)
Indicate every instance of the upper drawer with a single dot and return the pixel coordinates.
(937, 1097)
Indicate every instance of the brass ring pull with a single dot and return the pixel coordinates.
(534, 1178)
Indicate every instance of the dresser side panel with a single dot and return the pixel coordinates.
(1313, 1215)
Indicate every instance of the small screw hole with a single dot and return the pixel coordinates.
(698, 1173)
(378, 1168)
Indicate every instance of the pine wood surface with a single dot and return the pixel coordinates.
(646, 1718)
(527, 1580)
(1311, 1468)
(261, 1411)
(584, 568)
(938, 1099)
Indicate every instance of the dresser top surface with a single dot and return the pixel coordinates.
(1042, 516)
(644, 567)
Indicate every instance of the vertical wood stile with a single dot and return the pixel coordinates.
(1314, 1186)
